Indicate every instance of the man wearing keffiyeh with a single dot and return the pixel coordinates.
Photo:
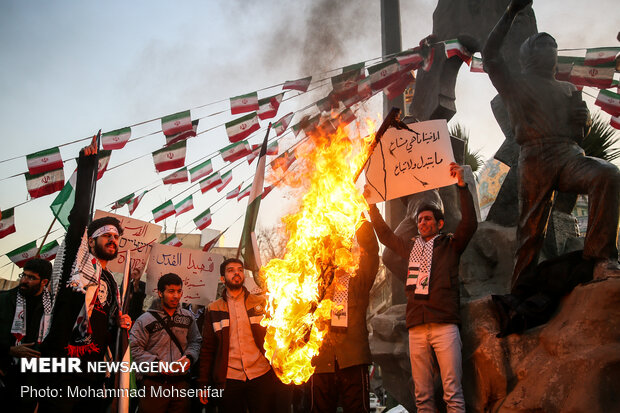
(432, 287)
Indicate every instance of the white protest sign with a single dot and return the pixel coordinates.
(138, 236)
(406, 162)
(200, 271)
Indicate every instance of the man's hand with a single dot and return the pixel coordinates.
(456, 171)
(125, 320)
(184, 363)
(366, 194)
(92, 148)
(24, 351)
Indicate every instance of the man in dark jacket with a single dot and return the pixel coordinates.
(433, 295)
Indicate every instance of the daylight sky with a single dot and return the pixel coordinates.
(70, 68)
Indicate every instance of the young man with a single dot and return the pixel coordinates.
(24, 315)
(433, 300)
(166, 335)
(232, 354)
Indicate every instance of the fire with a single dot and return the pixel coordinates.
(320, 239)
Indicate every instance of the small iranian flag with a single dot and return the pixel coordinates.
(253, 154)
(428, 61)
(207, 247)
(104, 160)
(345, 84)
(163, 211)
(235, 151)
(397, 87)
(243, 127)
(7, 223)
(454, 48)
(310, 124)
(273, 148)
(176, 177)
(410, 57)
(283, 161)
(565, 65)
(203, 220)
(171, 157)
(281, 125)
(210, 182)
(234, 193)
(599, 77)
(49, 251)
(115, 139)
(346, 116)
(476, 65)
(244, 103)
(172, 240)
(123, 201)
(609, 102)
(383, 74)
(172, 139)
(614, 122)
(22, 254)
(45, 183)
(185, 205)
(268, 107)
(44, 161)
(299, 84)
(601, 56)
(266, 191)
(245, 192)
(296, 128)
(135, 202)
(63, 203)
(325, 104)
(176, 123)
(226, 178)
(200, 171)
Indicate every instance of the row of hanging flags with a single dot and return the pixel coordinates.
(45, 168)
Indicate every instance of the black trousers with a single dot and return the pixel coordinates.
(162, 385)
(258, 395)
(349, 388)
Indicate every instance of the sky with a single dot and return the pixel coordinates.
(70, 68)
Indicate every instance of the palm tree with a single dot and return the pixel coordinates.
(473, 159)
(601, 140)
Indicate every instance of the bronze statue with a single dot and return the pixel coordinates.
(549, 120)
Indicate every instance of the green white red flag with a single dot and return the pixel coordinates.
(104, 160)
(45, 183)
(565, 65)
(609, 102)
(20, 255)
(135, 202)
(244, 192)
(345, 84)
(325, 104)
(615, 122)
(601, 56)
(210, 182)
(310, 124)
(207, 247)
(268, 107)
(123, 201)
(299, 84)
(284, 161)
(234, 152)
(226, 178)
(599, 77)
(282, 124)
(398, 86)
(253, 153)
(44, 161)
(243, 127)
(163, 211)
(383, 74)
(455, 48)
(7, 223)
(244, 103)
(267, 190)
(410, 57)
(115, 139)
(49, 250)
(203, 220)
(234, 193)
(176, 177)
(296, 128)
(200, 171)
(428, 61)
(63, 203)
(185, 205)
(172, 240)
(273, 148)
(346, 116)
(476, 65)
(176, 123)
(171, 157)
(181, 136)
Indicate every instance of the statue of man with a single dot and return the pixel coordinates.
(549, 120)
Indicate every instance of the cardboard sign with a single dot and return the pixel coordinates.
(138, 236)
(200, 271)
(405, 162)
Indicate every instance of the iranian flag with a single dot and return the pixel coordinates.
(383, 74)
(281, 125)
(235, 151)
(234, 193)
(268, 107)
(7, 223)
(410, 57)
(203, 220)
(428, 61)
(207, 247)
(284, 161)
(244, 103)
(325, 104)
(226, 178)
(601, 56)
(346, 116)
(135, 202)
(200, 171)
(273, 148)
(455, 48)
(115, 139)
(22, 254)
(296, 128)
(176, 123)
(176, 177)
(172, 240)
(299, 84)
(171, 157)
(345, 84)
(310, 124)
(49, 250)
(163, 211)
(210, 182)
(253, 154)
(476, 65)
(243, 127)
(609, 102)
(397, 87)
(185, 205)
(104, 160)
(599, 77)
(123, 201)
(243, 193)
(615, 122)
(44, 161)
(63, 203)
(267, 190)
(45, 183)
(181, 136)
(565, 65)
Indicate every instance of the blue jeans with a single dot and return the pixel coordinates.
(445, 341)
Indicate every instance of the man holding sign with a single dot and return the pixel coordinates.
(433, 294)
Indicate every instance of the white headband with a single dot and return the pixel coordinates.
(106, 229)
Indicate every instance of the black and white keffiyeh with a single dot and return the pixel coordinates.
(420, 262)
(18, 328)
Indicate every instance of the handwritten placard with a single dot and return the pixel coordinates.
(138, 236)
(406, 162)
(200, 271)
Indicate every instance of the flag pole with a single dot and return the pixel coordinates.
(45, 237)
(94, 179)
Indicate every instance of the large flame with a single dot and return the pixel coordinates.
(320, 237)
